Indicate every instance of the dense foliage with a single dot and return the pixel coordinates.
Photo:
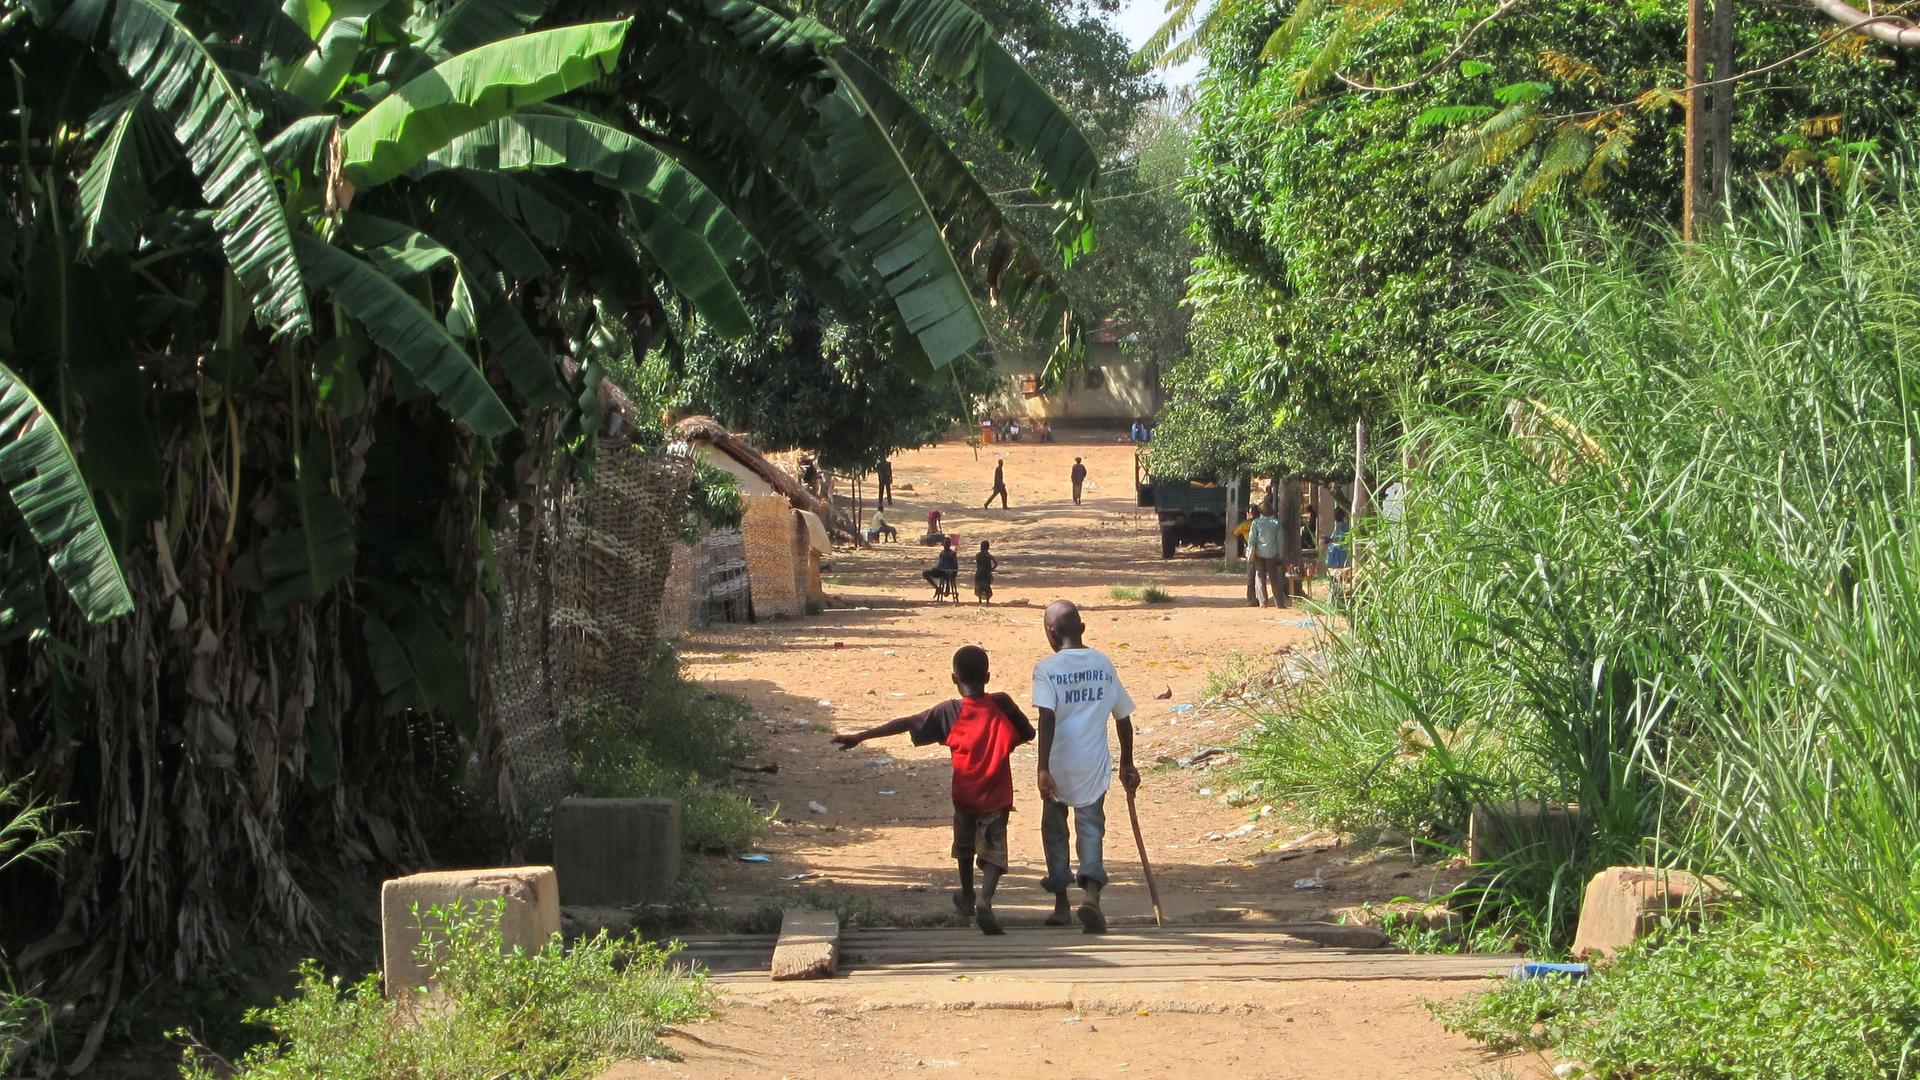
(1131, 278)
(1658, 564)
(1345, 233)
(298, 305)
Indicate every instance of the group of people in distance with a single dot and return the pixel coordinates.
(1012, 429)
(945, 572)
(1075, 690)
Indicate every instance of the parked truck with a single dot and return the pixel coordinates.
(1191, 512)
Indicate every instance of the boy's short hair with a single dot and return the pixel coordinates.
(970, 665)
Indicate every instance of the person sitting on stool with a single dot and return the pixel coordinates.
(879, 528)
(946, 571)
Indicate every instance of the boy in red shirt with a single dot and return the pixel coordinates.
(981, 730)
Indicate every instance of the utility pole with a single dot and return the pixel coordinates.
(1359, 467)
(1693, 192)
(1709, 137)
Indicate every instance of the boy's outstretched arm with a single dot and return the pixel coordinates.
(1129, 776)
(1048, 789)
(881, 731)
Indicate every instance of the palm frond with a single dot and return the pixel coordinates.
(264, 24)
(43, 481)
(688, 231)
(467, 91)
(774, 101)
(114, 199)
(1281, 41)
(409, 333)
(470, 24)
(1000, 258)
(211, 124)
(951, 40)
(319, 75)
(301, 563)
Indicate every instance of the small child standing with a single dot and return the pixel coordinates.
(981, 730)
(984, 564)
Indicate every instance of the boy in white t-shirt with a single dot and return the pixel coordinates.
(1076, 690)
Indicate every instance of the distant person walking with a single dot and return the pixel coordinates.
(999, 484)
(1263, 551)
(984, 564)
(1079, 475)
(885, 498)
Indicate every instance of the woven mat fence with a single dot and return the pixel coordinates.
(580, 603)
(776, 557)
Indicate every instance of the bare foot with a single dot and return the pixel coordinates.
(963, 903)
(988, 925)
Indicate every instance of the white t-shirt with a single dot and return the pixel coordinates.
(1083, 690)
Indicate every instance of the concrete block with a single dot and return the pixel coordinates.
(530, 917)
(1496, 830)
(809, 945)
(616, 852)
(1626, 903)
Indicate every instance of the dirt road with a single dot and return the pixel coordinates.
(868, 828)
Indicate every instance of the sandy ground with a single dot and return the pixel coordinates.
(871, 826)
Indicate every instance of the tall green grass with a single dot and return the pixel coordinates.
(1658, 560)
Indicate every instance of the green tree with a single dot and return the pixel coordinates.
(1349, 226)
(808, 380)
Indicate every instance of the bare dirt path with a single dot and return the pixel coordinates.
(880, 848)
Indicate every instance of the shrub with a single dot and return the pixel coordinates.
(560, 1012)
(681, 746)
(1151, 594)
(28, 835)
(1745, 1001)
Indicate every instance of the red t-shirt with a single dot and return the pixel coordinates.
(981, 732)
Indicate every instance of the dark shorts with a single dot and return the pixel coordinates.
(982, 837)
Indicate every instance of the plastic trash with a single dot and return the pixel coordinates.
(816, 807)
(1182, 708)
(756, 858)
(1537, 969)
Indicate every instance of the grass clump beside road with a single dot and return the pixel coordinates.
(1148, 594)
(1659, 563)
(681, 746)
(1746, 1001)
(561, 1012)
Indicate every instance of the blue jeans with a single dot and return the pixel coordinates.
(1090, 830)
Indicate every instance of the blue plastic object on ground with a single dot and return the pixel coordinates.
(1534, 969)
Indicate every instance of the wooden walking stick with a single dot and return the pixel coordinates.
(1146, 868)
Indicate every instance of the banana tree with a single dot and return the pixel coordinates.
(287, 296)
